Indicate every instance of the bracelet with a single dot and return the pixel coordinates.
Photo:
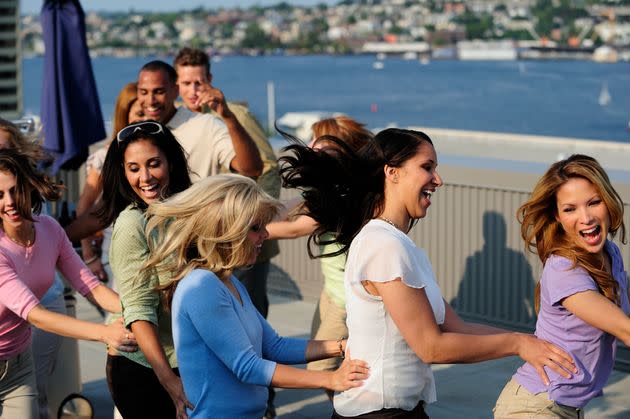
(92, 259)
(340, 345)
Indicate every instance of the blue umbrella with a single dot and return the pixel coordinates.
(71, 110)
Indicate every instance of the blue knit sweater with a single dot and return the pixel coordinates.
(226, 351)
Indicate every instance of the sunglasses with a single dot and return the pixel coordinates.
(146, 127)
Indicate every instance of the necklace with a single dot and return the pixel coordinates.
(390, 222)
(28, 243)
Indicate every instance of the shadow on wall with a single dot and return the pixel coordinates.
(280, 282)
(497, 285)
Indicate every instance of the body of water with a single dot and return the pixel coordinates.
(557, 98)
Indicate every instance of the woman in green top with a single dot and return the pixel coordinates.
(144, 164)
(329, 319)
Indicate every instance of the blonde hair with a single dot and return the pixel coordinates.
(543, 233)
(205, 227)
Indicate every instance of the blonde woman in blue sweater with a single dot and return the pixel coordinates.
(227, 352)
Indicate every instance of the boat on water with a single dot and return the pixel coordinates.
(299, 123)
(410, 55)
(604, 95)
(605, 54)
(477, 50)
(378, 65)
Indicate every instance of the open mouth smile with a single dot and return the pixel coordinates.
(593, 235)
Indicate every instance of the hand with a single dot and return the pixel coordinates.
(119, 338)
(540, 353)
(98, 270)
(351, 373)
(175, 389)
(215, 100)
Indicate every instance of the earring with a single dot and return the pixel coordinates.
(395, 179)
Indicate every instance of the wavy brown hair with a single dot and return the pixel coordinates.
(126, 98)
(544, 235)
(345, 128)
(27, 145)
(32, 187)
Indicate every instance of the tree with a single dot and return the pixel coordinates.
(477, 26)
(282, 7)
(556, 15)
(255, 37)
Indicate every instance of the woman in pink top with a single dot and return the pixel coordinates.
(31, 247)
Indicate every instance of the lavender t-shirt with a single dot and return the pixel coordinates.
(592, 349)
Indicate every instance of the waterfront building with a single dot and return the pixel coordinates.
(10, 61)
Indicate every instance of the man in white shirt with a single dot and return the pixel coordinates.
(212, 143)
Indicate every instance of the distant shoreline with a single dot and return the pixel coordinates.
(560, 56)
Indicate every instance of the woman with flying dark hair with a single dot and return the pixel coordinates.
(32, 246)
(397, 319)
(144, 164)
(329, 318)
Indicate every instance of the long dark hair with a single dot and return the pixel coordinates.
(117, 193)
(32, 187)
(343, 190)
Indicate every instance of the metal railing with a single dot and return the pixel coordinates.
(473, 240)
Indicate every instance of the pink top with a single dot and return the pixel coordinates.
(26, 273)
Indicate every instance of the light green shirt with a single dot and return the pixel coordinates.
(140, 301)
(333, 269)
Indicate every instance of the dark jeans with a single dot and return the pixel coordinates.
(417, 413)
(255, 280)
(136, 390)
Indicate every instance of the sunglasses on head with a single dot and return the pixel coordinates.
(146, 127)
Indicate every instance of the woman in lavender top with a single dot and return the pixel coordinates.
(582, 296)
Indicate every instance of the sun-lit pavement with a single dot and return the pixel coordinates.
(464, 391)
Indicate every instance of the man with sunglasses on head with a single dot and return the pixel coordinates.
(213, 144)
(194, 80)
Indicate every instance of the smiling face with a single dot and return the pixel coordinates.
(414, 182)
(156, 95)
(256, 235)
(146, 170)
(583, 214)
(190, 80)
(9, 215)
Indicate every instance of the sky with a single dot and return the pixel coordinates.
(34, 6)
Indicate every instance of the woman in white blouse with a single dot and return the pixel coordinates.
(397, 319)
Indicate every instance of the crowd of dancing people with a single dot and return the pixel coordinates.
(175, 222)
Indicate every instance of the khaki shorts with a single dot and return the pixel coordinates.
(515, 402)
(329, 323)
